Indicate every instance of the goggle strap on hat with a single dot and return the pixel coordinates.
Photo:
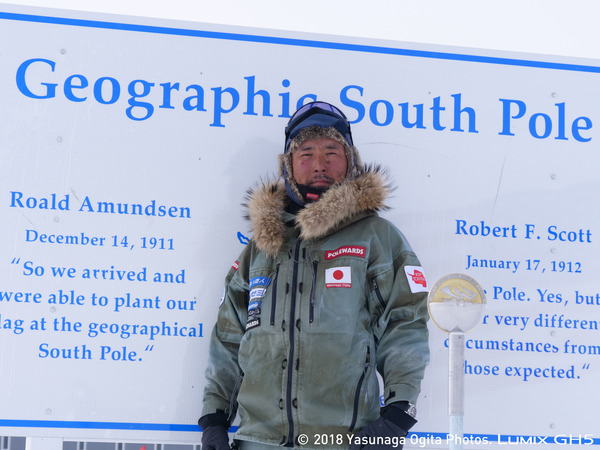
(296, 123)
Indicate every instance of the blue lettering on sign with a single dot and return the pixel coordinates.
(543, 125)
(243, 239)
(108, 90)
(38, 79)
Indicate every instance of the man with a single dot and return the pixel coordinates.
(326, 294)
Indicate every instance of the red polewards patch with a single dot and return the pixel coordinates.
(348, 250)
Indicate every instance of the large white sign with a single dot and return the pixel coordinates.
(127, 148)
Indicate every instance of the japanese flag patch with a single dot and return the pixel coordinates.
(338, 277)
(416, 279)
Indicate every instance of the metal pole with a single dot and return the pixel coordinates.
(456, 389)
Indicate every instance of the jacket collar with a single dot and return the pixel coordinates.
(341, 205)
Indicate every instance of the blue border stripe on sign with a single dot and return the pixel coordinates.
(97, 425)
(299, 42)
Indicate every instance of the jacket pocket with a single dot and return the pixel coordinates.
(375, 286)
(359, 385)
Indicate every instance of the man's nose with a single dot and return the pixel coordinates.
(320, 163)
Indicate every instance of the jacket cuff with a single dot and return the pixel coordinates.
(216, 419)
(396, 413)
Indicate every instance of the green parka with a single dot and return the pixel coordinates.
(314, 306)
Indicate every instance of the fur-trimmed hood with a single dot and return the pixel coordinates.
(340, 205)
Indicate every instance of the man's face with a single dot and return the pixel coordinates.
(319, 163)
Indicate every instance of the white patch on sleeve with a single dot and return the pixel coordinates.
(416, 279)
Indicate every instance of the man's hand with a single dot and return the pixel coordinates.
(214, 431)
(215, 438)
(391, 427)
(382, 429)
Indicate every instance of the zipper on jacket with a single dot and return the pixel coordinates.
(274, 295)
(288, 394)
(311, 311)
(358, 389)
(233, 398)
(377, 292)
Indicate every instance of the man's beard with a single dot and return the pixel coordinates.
(311, 193)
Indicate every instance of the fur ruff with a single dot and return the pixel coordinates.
(366, 193)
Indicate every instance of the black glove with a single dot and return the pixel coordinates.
(214, 431)
(391, 428)
(215, 438)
